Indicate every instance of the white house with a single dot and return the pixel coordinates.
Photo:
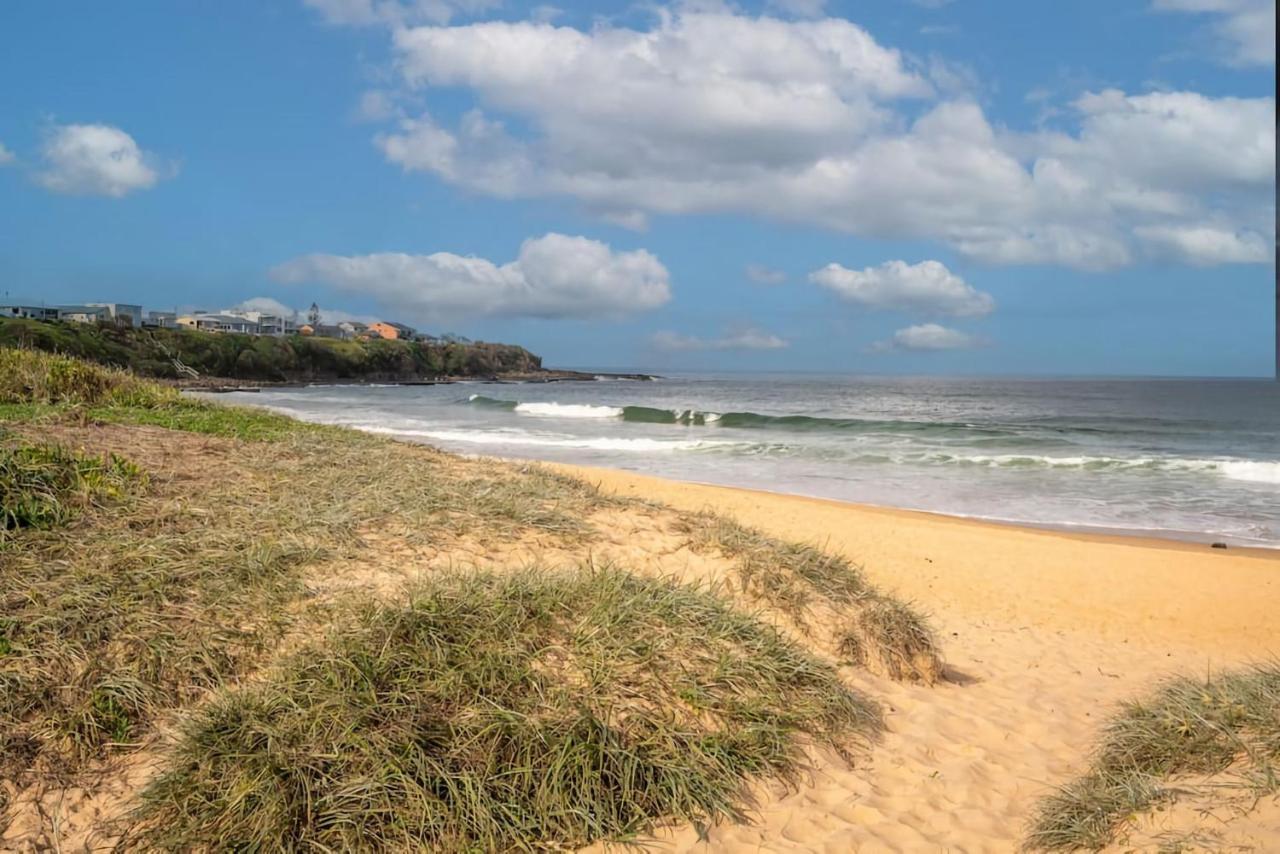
(34, 312)
(122, 313)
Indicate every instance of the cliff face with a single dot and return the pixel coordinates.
(151, 352)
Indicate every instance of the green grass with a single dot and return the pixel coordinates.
(485, 711)
(213, 419)
(873, 630)
(42, 486)
(31, 377)
(1188, 726)
(143, 607)
(496, 712)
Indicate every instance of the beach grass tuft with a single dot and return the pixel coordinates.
(42, 486)
(30, 376)
(1188, 726)
(524, 710)
(887, 636)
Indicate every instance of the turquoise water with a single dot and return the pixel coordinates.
(1195, 459)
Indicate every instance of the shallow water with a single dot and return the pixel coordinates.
(1196, 459)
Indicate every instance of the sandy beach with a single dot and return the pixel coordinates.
(1044, 632)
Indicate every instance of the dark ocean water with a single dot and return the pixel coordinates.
(1196, 459)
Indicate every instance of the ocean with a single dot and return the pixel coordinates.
(1188, 459)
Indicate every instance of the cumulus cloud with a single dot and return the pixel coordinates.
(762, 275)
(395, 12)
(748, 338)
(928, 337)
(96, 160)
(1204, 245)
(6, 156)
(1246, 29)
(926, 288)
(806, 121)
(554, 276)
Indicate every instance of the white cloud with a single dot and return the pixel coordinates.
(96, 160)
(926, 288)
(1204, 245)
(928, 337)
(748, 338)
(396, 12)
(6, 156)
(1246, 29)
(554, 276)
(375, 105)
(803, 121)
(762, 275)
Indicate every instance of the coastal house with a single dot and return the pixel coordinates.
(354, 328)
(84, 313)
(34, 312)
(324, 330)
(161, 319)
(266, 324)
(219, 323)
(121, 313)
(392, 331)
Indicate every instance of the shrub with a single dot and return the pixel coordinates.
(498, 712)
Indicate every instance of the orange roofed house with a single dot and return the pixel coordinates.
(391, 331)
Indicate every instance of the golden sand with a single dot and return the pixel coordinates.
(1045, 632)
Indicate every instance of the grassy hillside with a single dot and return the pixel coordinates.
(260, 358)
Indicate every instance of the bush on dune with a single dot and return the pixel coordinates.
(492, 712)
(1188, 726)
(30, 376)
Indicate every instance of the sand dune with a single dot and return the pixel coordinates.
(1045, 633)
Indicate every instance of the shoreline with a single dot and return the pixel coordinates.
(1148, 591)
(1118, 536)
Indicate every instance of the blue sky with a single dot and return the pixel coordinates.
(929, 187)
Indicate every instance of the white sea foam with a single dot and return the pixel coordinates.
(569, 410)
(1254, 470)
(1258, 471)
(598, 443)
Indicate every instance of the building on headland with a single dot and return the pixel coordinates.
(84, 313)
(324, 330)
(235, 320)
(122, 314)
(354, 328)
(32, 312)
(161, 319)
(267, 324)
(392, 331)
(219, 323)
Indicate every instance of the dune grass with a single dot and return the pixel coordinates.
(872, 630)
(30, 376)
(145, 606)
(42, 486)
(538, 710)
(495, 712)
(1188, 726)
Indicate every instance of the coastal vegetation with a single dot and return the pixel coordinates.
(1228, 722)
(819, 590)
(294, 358)
(239, 597)
(499, 712)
